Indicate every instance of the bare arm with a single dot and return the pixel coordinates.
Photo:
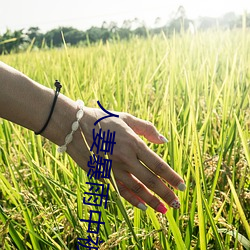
(28, 104)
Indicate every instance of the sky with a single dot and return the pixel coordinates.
(82, 14)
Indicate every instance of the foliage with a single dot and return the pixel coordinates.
(33, 38)
(194, 88)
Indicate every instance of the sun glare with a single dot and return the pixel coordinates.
(83, 15)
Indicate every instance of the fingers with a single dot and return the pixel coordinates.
(135, 189)
(160, 167)
(148, 157)
(154, 183)
(138, 194)
(131, 197)
(145, 128)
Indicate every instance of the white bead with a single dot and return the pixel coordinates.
(80, 103)
(69, 138)
(75, 126)
(62, 149)
(79, 114)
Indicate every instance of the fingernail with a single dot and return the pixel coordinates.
(161, 208)
(181, 186)
(163, 138)
(142, 206)
(175, 204)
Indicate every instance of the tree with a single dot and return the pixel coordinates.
(180, 22)
(229, 20)
(71, 35)
(13, 41)
(127, 24)
(34, 33)
(113, 27)
(157, 22)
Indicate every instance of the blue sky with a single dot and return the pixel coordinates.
(82, 14)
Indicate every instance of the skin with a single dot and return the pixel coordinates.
(28, 103)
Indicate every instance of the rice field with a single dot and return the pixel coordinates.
(196, 91)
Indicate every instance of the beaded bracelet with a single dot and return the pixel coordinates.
(74, 127)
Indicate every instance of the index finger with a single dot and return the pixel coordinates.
(144, 128)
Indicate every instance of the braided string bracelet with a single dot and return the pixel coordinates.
(74, 127)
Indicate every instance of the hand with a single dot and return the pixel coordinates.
(130, 154)
(137, 169)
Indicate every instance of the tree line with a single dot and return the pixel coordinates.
(20, 40)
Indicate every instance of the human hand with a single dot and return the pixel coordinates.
(136, 168)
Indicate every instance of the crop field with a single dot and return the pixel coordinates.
(194, 88)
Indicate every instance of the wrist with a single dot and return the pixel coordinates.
(61, 120)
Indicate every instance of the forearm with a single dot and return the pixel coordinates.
(27, 103)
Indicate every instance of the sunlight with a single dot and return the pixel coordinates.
(214, 8)
(82, 15)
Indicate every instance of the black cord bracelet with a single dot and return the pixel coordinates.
(58, 87)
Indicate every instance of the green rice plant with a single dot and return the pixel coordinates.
(194, 88)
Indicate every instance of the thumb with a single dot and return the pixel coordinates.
(146, 129)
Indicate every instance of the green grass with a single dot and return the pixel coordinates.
(195, 89)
